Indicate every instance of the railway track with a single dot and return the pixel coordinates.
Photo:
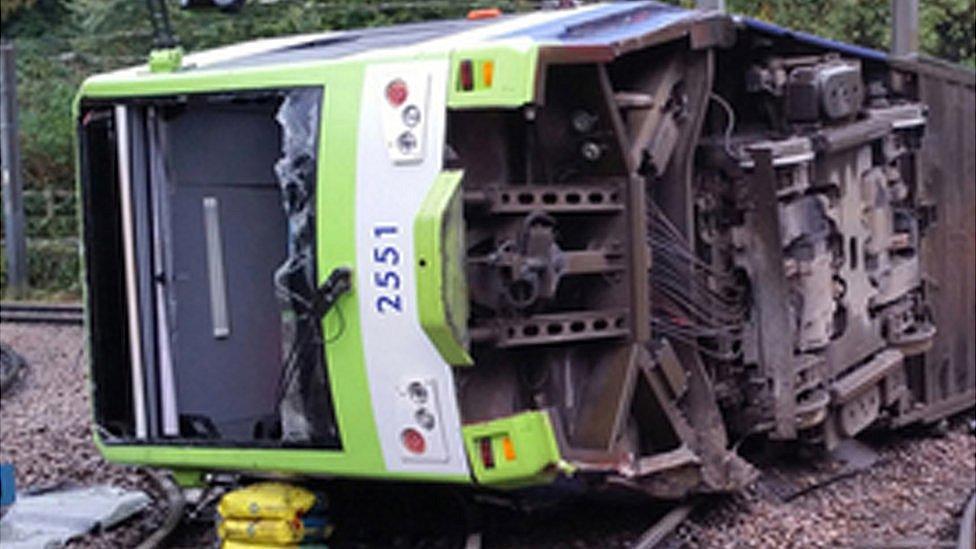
(41, 313)
(967, 527)
(583, 519)
(492, 523)
(661, 529)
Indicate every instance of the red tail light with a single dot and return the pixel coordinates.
(487, 456)
(396, 92)
(413, 441)
(466, 75)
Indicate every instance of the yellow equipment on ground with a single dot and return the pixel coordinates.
(270, 514)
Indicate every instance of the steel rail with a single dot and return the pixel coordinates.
(654, 535)
(37, 306)
(967, 527)
(41, 313)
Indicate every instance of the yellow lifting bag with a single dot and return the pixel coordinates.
(274, 532)
(234, 544)
(266, 500)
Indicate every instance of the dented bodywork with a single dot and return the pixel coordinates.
(601, 243)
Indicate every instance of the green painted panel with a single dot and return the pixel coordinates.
(360, 454)
(188, 478)
(513, 79)
(442, 293)
(165, 60)
(523, 448)
(336, 202)
(253, 460)
(140, 82)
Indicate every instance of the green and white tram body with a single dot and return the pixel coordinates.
(595, 243)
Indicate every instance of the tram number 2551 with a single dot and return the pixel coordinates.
(386, 269)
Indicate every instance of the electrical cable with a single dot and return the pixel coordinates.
(693, 301)
(730, 125)
(290, 368)
(301, 345)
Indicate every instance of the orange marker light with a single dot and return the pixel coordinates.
(487, 73)
(508, 449)
(485, 13)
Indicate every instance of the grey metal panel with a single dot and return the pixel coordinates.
(223, 143)
(231, 380)
(358, 41)
(948, 255)
(141, 220)
(162, 275)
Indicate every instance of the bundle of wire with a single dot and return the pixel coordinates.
(692, 301)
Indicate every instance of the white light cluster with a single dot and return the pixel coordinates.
(404, 125)
(418, 409)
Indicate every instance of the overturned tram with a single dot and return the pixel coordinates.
(601, 244)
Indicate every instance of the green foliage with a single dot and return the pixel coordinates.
(46, 86)
(52, 269)
(122, 26)
(948, 29)
(863, 22)
(31, 18)
(10, 8)
(59, 42)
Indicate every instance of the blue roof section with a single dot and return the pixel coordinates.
(625, 20)
(608, 24)
(814, 40)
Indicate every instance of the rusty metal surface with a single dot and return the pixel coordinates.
(775, 328)
(522, 199)
(608, 392)
(558, 328)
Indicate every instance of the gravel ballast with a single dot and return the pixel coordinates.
(912, 496)
(45, 427)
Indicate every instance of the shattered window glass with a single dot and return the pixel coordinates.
(304, 403)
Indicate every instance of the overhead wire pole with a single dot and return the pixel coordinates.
(163, 36)
(904, 27)
(710, 5)
(13, 202)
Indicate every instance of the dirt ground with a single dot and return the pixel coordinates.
(911, 497)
